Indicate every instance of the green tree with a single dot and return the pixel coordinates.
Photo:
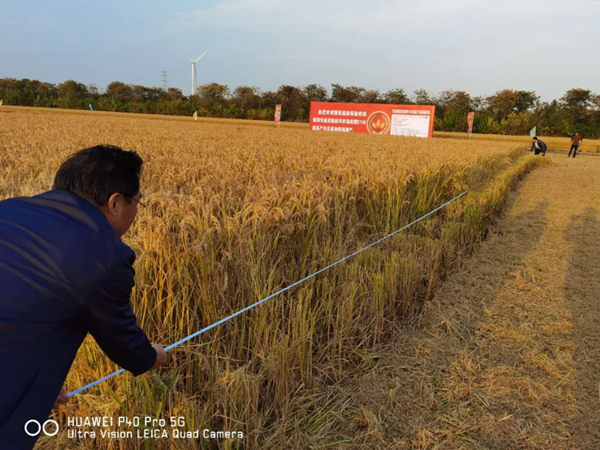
(422, 97)
(349, 94)
(45, 94)
(577, 99)
(396, 97)
(213, 91)
(121, 95)
(244, 99)
(371, 96)
(578, 103)
(455, 102)
(213, 99)
(516, 123)
(294, 104)
(452, 109)
(315, 93)
(72, 94)
(504, 102)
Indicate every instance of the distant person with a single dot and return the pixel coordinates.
(575, 141)
(538, 146)
(64, 273)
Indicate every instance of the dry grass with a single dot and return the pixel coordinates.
(237, 211)
(507, 355)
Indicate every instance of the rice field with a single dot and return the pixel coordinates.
(237, 210)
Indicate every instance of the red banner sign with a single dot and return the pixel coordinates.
(373, 118)
(470, 118)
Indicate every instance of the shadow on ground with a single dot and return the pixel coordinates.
(405, 391)
(582, 293)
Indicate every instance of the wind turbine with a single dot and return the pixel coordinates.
(193, 62)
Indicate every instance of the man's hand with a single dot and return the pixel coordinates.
(61, 398)
(161, 356)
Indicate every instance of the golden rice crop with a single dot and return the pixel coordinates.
(237, 210)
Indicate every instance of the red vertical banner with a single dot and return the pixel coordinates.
(470, 118)
(277, 118)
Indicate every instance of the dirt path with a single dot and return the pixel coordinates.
(508, 354)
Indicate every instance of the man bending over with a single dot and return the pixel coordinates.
(64, 273)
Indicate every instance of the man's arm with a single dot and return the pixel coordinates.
(108, 316)
(161, 360)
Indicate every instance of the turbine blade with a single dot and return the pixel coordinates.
(198, 58)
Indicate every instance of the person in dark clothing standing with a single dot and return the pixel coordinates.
(64, 273)
(538, 146)
(575, 141)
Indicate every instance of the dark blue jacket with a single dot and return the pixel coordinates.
(542, 145)
(64, 272)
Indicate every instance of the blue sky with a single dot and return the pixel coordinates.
(478, 46)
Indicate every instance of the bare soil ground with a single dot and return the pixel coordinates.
(507, 355)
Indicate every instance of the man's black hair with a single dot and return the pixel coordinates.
(535, 137)
(96, 173)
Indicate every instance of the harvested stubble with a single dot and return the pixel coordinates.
(237, 212)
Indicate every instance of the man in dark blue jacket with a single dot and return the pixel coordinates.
(64, 272)
(538, 146)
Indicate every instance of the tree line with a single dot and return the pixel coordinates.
(506, 112)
